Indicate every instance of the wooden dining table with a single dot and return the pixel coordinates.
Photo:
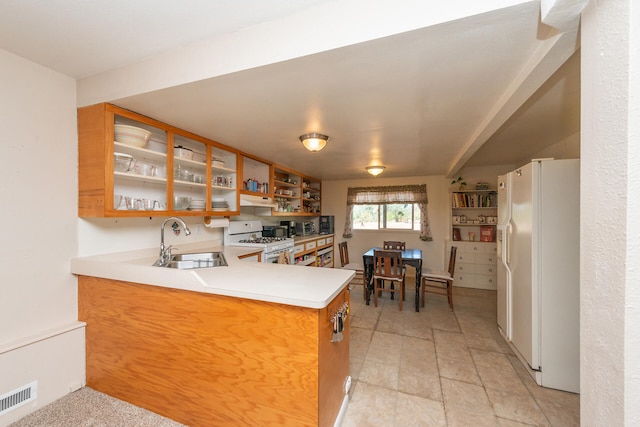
(412, 257)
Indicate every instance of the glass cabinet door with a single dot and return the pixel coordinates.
(189, 175)
(224, 180)
(139, 169)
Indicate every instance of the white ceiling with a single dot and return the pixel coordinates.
(428, 101)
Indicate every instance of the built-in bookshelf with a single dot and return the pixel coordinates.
(474, 215)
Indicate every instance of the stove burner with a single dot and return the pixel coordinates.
(263, 240)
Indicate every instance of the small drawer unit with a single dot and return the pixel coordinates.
(314, 250)
(476, 264)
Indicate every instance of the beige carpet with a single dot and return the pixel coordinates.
(89, 408)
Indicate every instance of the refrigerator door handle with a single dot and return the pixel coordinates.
(507, 243)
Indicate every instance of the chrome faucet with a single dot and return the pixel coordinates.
(165, 252)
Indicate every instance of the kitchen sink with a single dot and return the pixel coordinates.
(197, 260)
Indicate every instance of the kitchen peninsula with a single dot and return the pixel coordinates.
(246, 344)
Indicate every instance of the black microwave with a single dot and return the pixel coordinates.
(274, 231)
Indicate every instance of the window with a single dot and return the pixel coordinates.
(394, 207)
(395, 216)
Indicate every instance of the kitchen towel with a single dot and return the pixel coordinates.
(215, 222)
(283, 258)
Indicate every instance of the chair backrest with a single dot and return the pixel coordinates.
(344, 253)
(452, 261)
(391, 244)
(387, 264)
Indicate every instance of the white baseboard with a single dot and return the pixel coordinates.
(54, 358)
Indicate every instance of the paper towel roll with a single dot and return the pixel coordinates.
(215, 222)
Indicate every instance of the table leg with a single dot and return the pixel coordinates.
(418, 276)
(418, 266)
(368, 274)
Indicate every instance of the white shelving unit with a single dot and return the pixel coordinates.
(474, 213)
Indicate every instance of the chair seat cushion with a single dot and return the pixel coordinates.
(353, 266)
(435, 274)
(392, 279)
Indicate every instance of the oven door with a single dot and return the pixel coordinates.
(283, 256)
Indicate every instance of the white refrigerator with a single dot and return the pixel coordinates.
(538, 286)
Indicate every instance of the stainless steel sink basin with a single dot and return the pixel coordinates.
(197, 260)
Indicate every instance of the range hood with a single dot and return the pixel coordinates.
(257, 201)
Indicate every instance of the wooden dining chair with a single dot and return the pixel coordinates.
(394, 245)
(358, 267)
(387, 266)
(439, 282)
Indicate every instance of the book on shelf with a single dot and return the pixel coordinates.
(474, 200)
(487, 234)
(456, 234)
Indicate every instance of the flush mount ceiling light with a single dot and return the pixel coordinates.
(375, 170)
(314, 141)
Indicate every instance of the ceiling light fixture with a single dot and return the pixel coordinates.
(314, 141)
(375, 170)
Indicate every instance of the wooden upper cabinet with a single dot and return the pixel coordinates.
(311, 190)
(175, 164)
(295, 193)
(286, 193)
(256, 176)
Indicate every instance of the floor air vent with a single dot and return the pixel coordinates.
(16, 398)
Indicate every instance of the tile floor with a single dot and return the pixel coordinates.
(443, 368)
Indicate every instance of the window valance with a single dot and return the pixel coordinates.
(391, 194)
(387, 195)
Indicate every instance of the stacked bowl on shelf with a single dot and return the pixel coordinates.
(218, 204)
(196, 205)
(181, 203)
(131, 135)
(123, 162)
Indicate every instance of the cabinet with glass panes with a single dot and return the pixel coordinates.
(168, 171)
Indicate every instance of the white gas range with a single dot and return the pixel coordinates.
(249, 234)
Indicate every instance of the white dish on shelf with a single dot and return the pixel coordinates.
(183, 153)
(131, 135)
(198, 157)
(157, 146)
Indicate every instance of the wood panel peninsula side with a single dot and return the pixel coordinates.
(204, 359)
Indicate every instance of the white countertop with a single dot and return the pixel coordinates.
(285, 284)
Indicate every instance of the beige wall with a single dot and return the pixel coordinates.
(334, 198)
(609, 226)
(39, 335)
